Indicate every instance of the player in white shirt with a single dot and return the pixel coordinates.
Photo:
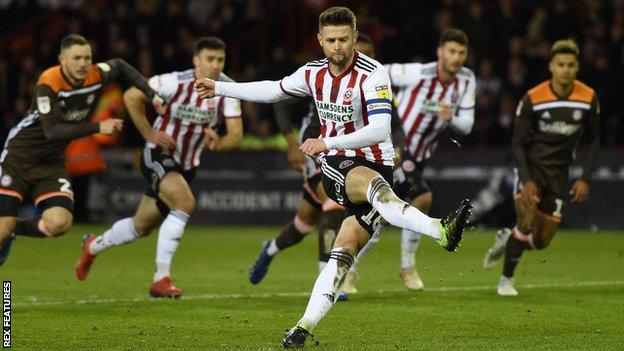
(432, 97)
(352, 94)
(170, 159)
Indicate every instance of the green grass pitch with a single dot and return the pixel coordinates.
(571, 296)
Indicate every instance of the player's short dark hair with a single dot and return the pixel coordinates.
(564, 46)
(73, 39)
(365, 38)
(453, 35)
(210, 43)
(337, 16)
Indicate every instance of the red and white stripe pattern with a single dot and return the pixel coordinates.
(187, 115)
(420, 94)
(345, 102)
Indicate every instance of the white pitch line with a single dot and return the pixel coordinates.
(305, 294)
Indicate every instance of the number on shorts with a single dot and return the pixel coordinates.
(558, 204)
(65, 185)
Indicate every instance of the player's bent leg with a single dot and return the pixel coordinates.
(291, 234)
(56, 221)
(409, 273)
(175, 192)
(351, 238)
(546, 226)
(519, 241)
(124, 231)
(366, 185)
(421, 199)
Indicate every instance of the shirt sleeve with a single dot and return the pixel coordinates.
(404, 74)
(520, 137)
(164, 84)
(296, 84)
(231, 108)
(463, 120)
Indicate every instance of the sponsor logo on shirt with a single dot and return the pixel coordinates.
(196, 114)
(382, 91)
(546, 115)
(558, 127)
(434, 106)
(335, 112)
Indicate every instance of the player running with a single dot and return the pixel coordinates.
(550, 121)
(170, 160)
(432, 97)
(32, 163)
(352, 94)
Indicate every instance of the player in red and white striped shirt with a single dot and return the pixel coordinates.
(352, 94)
(432, 97)
(170, 159)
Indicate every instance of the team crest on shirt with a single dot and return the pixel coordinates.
(454, 97)
(577, 115)
(345, 164)
(90, 99)
(43, 104)
(6, 181)
(348, 95)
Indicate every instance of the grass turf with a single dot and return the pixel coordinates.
(571, 296)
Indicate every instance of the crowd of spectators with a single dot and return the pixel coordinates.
(267, 39)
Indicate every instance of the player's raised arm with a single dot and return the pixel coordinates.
(119, 70)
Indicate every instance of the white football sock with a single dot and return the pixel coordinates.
(169, 236)
(326, 288)
(272, 249)
(122, 232)
(409, 245)
(399, 213)
(321, 265)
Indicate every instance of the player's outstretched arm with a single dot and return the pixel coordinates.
(266, 91)
(119, 70)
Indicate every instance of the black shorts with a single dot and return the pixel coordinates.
(409, 182)
(334, 170)
(155, 164)
(45, 182)
(551, 184)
